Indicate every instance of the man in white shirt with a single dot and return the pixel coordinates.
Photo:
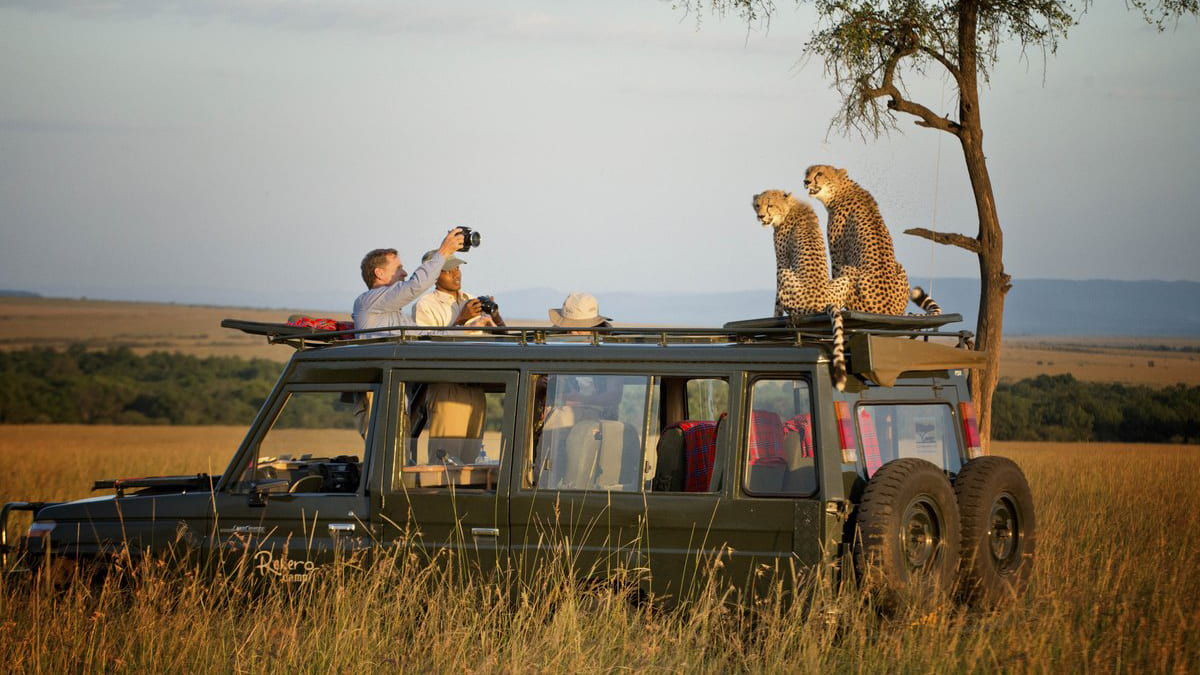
(448, 304)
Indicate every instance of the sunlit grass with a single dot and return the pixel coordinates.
(1115, 589)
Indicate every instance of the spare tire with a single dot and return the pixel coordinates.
(996, 507)
(908, 527)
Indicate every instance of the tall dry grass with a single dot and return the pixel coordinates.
(1114, 589)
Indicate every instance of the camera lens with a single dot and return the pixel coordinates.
(470, 238)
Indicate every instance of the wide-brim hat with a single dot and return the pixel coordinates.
(451, 263)
(579, 310)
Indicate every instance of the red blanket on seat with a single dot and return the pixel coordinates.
(700, 448)
(766, 438)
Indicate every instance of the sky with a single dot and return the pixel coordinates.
(250, 152)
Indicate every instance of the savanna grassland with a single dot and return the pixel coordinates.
(196, 330)
(1115, 588)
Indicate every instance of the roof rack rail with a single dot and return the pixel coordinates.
(810, 328)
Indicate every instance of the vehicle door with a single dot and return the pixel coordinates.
(296, 495)
(738, 526)
(448, 453)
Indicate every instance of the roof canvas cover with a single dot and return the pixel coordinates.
(882, 359)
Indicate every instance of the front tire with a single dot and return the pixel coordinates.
(998, 527)
(908, 527)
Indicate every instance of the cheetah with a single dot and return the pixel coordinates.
(859, 239)
(802, 278)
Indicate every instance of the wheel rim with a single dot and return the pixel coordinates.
(1004, 530)
(920, 533)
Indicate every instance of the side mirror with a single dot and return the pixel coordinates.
(257, 496)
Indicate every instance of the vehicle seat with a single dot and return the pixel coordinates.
(766, 466)
(685, 456)
(719, 458)
(798, 447)
(600, 454)
(669, 469)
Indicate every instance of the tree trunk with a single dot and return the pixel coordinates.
(993, 285)
(993, 282)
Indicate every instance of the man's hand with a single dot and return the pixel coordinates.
(452, 242)
(470, 310)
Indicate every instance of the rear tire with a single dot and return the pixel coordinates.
(908, 528)
(998, 528)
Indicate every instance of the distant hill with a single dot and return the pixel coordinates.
(1033, 306)
(9, 293)
(1047, 307)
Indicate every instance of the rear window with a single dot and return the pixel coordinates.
(925, 431)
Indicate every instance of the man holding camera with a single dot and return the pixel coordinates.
(449, 305)
(390, 288)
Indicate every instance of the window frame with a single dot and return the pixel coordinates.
(743, 443)
(392, 444)
(955, 424)
(251, 450)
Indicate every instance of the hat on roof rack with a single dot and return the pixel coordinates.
(579, 310)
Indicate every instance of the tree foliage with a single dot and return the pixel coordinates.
(1061, 408)
(116, 386)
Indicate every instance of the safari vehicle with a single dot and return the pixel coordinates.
(650, 449)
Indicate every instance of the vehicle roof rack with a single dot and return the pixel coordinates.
(808, 328)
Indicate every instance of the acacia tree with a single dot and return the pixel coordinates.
(869, 47)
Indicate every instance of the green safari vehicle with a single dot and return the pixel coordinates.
(654, 449)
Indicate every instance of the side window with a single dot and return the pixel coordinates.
(450, 435)
(589, 431)
(779, 440)
(314, 445)
(693, 410)
(925, 431)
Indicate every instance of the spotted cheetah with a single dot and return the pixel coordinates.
(802, 278)
(859, 239)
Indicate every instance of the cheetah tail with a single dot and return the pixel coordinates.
(839, 349)
(922, 299)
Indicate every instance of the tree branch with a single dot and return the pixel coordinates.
(948, 238)
(887, 87)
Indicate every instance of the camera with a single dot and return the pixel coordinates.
(487, 303)
(470, 238)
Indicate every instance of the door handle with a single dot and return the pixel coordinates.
(341, 528)
(485, 532)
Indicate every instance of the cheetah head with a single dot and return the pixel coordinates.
(822, 181)
(772, 206)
